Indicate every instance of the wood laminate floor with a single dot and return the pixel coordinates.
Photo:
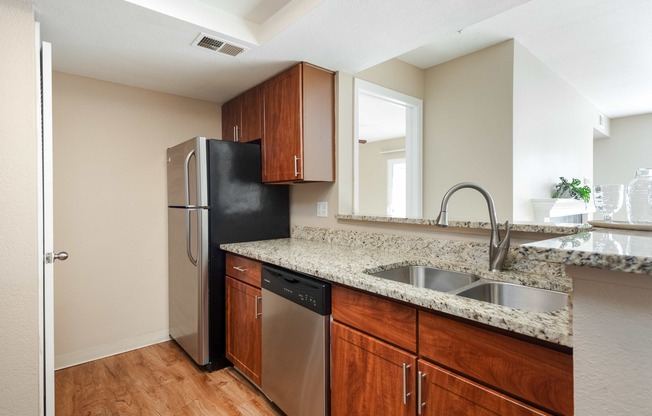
(155, 380)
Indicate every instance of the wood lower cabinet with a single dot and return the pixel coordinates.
(246, 270)
(243, 328)
(359, 310)
(368, 376)
(444, 393)
(298, 143)
(460, 368)
(531, 372)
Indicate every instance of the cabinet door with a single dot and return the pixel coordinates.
(230, 119)
(368, 376)
(444, 393)
(251, 115)
(243, 328)
(282, 142)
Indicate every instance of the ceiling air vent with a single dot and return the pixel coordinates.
(209, 42)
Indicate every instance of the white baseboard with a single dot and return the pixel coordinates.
(106, 350)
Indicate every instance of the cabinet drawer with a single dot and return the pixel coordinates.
(244, 269)
(390, 321)
(446, 393)
(531, 372)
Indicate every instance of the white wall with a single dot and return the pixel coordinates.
(553, 132)
(19, 324)
(616, 158)
(612, 339)
(468, 133)
(110, 211)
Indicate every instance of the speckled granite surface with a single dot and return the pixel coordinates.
(548, 228)
(617, 250)
(346, 257)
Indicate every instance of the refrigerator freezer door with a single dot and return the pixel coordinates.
(188, 280)
(187, 178)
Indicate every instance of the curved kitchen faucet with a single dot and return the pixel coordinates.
(497, 248)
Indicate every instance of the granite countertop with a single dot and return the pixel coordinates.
(526, 227)
(349, 265)
(609, 249)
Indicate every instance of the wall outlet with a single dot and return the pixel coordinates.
(322, 209)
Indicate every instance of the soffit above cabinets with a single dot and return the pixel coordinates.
(600, 47)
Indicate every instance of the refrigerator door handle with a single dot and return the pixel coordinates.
(187, 175)
(188, 239)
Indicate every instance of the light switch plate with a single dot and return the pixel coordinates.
(322, 209)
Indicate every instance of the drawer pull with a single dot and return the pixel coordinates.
(406, 394)
(240, 269)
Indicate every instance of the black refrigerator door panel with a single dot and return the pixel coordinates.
(242, 209)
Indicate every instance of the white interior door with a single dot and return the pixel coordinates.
(46, 286)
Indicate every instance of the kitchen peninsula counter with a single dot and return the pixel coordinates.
(608, 249)
(346, 257)
(612, 310)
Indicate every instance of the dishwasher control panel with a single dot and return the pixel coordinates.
(299, 288)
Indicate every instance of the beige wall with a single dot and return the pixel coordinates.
(110, 211)
(497, 117)
(19, 271)
(468, 133)
(616, 159)
(373, 174)
(553, 132)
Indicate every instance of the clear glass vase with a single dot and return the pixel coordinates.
(638, 205)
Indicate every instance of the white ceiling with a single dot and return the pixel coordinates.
(602, 47)
(380, 119)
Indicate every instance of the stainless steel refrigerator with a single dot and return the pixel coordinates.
(215, 196)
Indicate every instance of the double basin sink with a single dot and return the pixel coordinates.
(471, 286)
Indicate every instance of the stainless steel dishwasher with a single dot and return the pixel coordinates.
(296, 315)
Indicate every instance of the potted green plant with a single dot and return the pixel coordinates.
(572, 189)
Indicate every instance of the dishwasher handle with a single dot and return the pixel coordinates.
(298, 288)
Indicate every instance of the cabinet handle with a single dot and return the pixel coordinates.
(257, 313)
(240, 269)
(406, 394)
(420, 379)
(237, 133)
(296, 165)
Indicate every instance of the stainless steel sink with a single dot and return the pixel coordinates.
(428, 277)
(516, 296)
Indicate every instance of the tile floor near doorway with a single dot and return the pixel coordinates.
(155, 380)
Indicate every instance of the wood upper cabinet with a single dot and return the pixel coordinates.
(298, 141)
(534, 373)
(444, 393)
(243, 316)
(369, 377)
(230, 119)
(242, 117)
